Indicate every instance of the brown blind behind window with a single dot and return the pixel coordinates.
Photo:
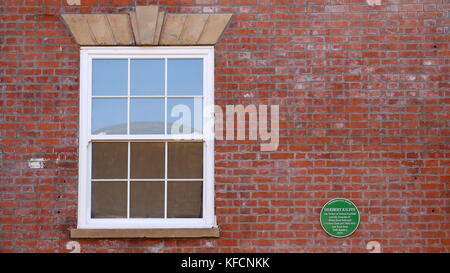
(109, 199)
(109, 160)
(185, 160)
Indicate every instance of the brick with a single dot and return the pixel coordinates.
(363, 95)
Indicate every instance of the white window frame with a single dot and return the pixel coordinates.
(85, 138)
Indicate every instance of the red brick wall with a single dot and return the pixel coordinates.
(363, 93)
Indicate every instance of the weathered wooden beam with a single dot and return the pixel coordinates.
(159, 24)
(193, 28)
(79, 27)
(121, 28)
(171, 29)
(100, 28)
(146, 26)
(213, 29)
(134, 26)
(147, 17)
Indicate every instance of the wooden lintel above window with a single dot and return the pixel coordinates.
(146, 26)
(145, 233)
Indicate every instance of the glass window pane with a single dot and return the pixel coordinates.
(184, 199)
(185, 76)
(109, 116)
(109, 160)
(147, 199)
(146, 116)
(109, 199)
(147, 77)
(109, 77)
(184, 115)
(147, 160)
(185, 160)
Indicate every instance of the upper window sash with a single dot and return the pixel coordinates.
(165, 53)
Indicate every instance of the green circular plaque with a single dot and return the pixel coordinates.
(339, 217)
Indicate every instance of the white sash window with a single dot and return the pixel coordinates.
(146, 146)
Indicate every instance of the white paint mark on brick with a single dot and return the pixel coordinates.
(36, 163)
(73, 2)
(208, 10)
(339, 125)
(74, 246)
(208, 244)
(156, 248)
(373, 247)
(355, 71)
(373, 2)
(244, 55)
(374, 219)
(411, 77)
(318, 132)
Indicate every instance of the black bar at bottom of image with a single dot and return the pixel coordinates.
(226, 262)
